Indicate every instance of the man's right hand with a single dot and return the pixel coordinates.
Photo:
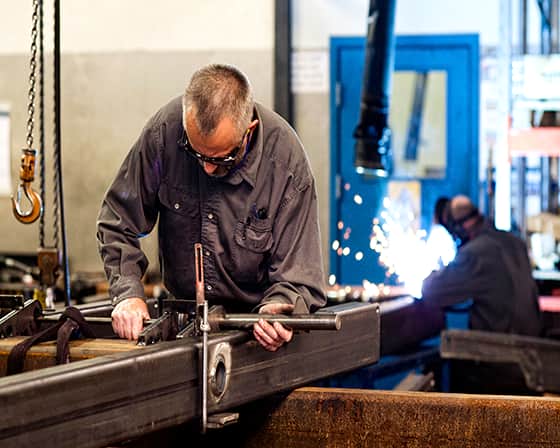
(128, 318)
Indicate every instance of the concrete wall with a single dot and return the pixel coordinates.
(121, 61)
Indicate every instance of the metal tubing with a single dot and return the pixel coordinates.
(318, 321)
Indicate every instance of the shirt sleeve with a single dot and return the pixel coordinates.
(129, 212)
(296, 265)
(453, 284)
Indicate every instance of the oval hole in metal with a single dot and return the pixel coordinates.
(219, 377)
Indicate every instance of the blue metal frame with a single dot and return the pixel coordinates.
(466, 91)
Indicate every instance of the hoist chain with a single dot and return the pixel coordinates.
(56, 195)
(56, 156)
(42, 158)
(32, 68)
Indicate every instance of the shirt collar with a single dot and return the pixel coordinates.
(247, 170)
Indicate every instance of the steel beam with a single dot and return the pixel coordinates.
(100, 401)
(538, 358)
(315, 417)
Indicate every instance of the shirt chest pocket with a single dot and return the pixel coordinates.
(252, 243)
(256, 237)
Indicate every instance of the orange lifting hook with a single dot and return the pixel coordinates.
(26, 175)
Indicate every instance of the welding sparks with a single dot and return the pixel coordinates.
(408, 252)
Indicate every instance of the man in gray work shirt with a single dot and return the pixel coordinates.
(222, 170)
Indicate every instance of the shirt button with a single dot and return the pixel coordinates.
(207, 253)
(177, 206)
(209, 287)
(210, 216)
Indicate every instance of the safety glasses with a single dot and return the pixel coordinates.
(227, 160)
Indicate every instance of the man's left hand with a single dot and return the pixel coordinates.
(272, 337)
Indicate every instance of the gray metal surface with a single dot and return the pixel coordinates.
(538, 358)
(331, 418)
(113, 398)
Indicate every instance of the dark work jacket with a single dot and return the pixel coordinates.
(493, 270)
(258, 225)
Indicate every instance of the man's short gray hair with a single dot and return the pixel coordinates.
(218, 91)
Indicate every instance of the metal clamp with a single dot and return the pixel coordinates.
(164, 328)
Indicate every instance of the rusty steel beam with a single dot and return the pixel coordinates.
(317, 417)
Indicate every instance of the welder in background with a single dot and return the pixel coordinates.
(491, 268)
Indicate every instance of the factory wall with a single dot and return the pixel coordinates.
(121, 61)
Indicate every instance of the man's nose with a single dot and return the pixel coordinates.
(209, 168)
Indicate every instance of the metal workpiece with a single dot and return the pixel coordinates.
(328, 418)
(22, 319)
(113, 398)
(220, 320)
(537, 358)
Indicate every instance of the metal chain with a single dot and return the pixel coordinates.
(32, 68)
(55, 195)
(42, 158)
(56, 158)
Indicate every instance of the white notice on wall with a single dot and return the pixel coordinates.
(5, 180)
(310, 72)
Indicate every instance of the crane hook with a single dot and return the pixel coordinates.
(26, 175)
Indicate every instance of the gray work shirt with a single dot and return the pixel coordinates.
(493, 269)
(258, 225)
